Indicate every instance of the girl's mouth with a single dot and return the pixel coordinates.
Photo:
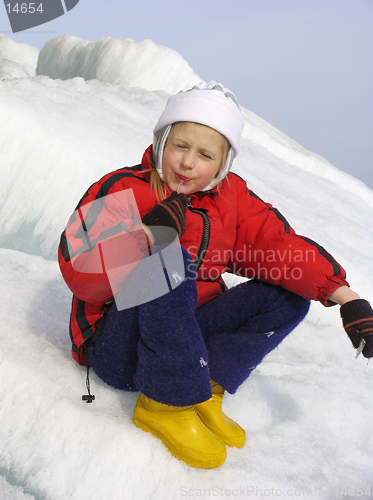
(180, 178)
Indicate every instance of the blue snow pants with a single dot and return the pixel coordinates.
(169, 350)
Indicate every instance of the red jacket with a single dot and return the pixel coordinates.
(228, 230)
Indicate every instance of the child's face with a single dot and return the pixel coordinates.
(193, 153)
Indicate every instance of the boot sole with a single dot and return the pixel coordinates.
(210, 463)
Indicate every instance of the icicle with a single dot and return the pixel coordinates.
(360, 348)
(179, 186)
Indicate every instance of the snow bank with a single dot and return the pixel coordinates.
(283, 147)
(124, 62)
(20, 53)
(58, 138)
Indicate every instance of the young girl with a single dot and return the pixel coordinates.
(154, 316)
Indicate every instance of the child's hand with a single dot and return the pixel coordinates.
(357, 317)
(168, 213)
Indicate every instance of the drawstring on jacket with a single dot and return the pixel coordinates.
(88, 398)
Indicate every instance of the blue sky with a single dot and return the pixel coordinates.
(305, 66)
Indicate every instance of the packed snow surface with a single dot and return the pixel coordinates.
(307, 409)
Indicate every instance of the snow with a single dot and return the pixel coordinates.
(306, 409)
(11, 69)
(20, 53)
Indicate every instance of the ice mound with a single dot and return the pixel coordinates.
(124, 62)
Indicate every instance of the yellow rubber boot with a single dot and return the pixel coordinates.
(181, 431)
(211, 414)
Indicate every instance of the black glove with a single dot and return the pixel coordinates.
(169, 213)
(357, 317)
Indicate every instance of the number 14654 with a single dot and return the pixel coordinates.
(24, 8)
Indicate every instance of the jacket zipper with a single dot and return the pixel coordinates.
(205, 235)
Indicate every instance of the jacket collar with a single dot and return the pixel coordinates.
(146, 164)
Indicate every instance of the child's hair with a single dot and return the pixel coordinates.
(159, 186)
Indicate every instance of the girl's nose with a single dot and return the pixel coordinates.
(188, 160)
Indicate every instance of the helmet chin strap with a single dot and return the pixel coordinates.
(159, 143)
